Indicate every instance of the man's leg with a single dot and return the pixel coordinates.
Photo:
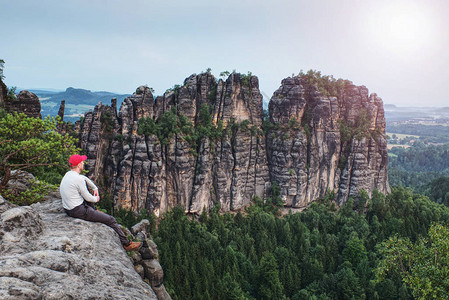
(88, 213)
(90, 204)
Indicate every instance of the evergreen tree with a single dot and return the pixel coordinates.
(270, 286)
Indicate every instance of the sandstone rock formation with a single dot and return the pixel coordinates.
(146, 261)
(61, 110)
(204, 143)
(61, 126)
(27, 103)
(44, 254)
(325, 144)
(176, 166)
(3, 93)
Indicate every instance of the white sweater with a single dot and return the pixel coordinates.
(74, 191)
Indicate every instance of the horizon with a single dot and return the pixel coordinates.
(397, 50)
(63, 90)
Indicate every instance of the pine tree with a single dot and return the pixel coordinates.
(270, 286)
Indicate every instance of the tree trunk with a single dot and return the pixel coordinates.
(5, 178)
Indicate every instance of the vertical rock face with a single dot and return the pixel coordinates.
(322, 144)
(97, 133)
(61, 110)
(208, 147)
(240, 166)
(61, 127)
(3, 93)
(27, 103)
(202, 143)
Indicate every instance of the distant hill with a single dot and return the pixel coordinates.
(415, 115)
(77, 101)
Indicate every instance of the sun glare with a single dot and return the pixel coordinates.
(402, 28)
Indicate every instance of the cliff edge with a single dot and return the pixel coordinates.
(44, 254)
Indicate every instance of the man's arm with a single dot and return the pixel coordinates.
(90, 183)
(82, 188)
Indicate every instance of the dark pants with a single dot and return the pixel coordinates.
(86, 212)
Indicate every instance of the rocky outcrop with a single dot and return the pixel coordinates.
(146, 261)
(200, 155)
(3, 93)
(44, 254)
(61, 110)
(321, 143)
(27, 103)
(61, 126)
(204, 143)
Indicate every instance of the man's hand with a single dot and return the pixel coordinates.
(97, 195)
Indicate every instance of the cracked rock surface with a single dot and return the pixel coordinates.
(315, 144)
(44, 254)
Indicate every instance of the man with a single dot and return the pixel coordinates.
(78, 201)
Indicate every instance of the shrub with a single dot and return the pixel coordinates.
(32, 144)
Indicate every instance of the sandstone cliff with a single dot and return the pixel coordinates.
(207, 142)
(3, 93)
(323, 143)
(44, 254)
(199, 156)
(27, 103)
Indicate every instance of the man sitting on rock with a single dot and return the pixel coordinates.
(78, 201)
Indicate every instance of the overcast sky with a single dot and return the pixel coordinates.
(398, 49)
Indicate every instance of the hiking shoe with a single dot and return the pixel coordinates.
(133, 246)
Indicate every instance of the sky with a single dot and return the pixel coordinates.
(397, 49)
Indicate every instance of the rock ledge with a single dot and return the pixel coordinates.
(45, 254)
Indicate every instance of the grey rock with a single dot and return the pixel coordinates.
(149, 248)
(140, 270)
(135, 257)
(27, 103)
(20, 181)
(44, 254)
(153, 247)
(15, 288)
(61, 126)
(141, 236)
(19, 227)
(127, 232)
(153, 271)
(5, 205)
(142, 173)
(147, 253)
(313, 158)
(142, 226)
(161, 292)
(3, 93)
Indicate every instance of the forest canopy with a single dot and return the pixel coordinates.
(321, 253)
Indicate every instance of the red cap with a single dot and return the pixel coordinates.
(76, 159)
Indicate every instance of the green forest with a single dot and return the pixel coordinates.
(325, 252)
(423, 168)
(427, 133)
